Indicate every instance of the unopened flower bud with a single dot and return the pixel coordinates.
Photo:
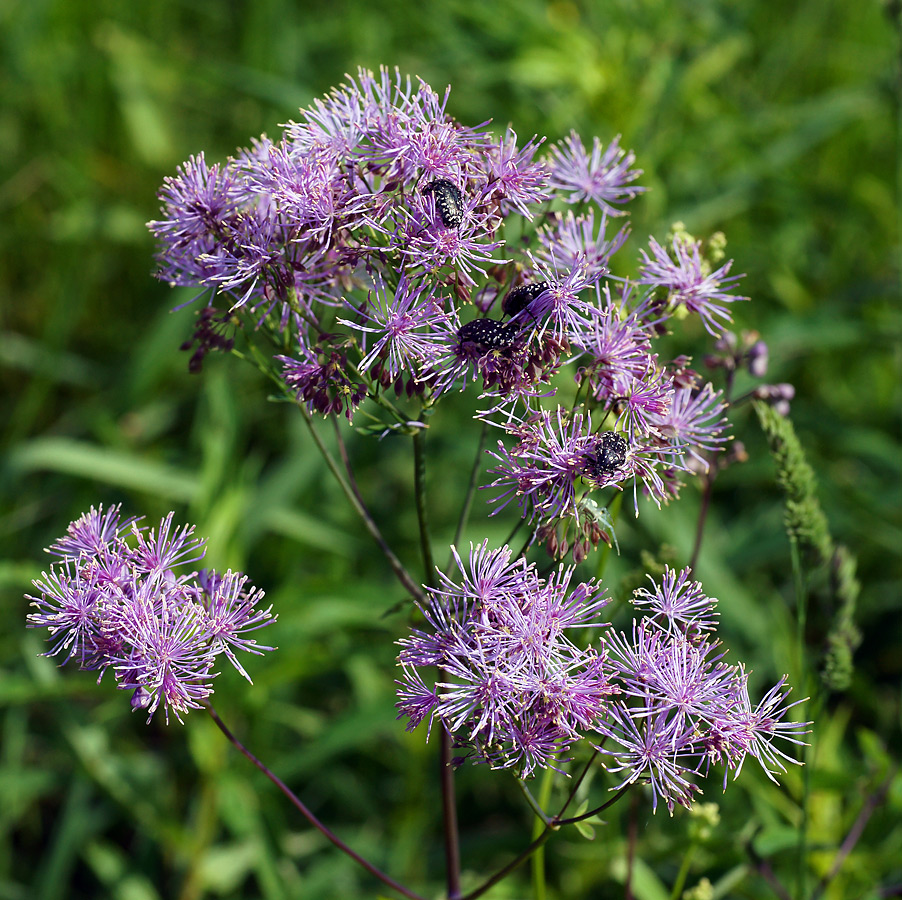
(757, 359)
(737, 453)
(727, 343)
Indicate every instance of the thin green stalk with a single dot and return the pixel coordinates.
(397, 566)
(549, 829)
(471, 488)
(678, 885)
(419, 482)
(798, 581)
(710, 476)
(801, 619)
(527, 543)
(537, 806)
(632, 838)
(871, 804)
(578, 781)
(502, 873)
(593, 812)
(605, 553)
(449, 817)
(357, 499)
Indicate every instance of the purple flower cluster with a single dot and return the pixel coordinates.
(681, 708)
(512, 686)
(689, 281)
(125, 596)
(376, 231)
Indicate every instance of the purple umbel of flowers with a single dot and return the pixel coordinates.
(514, 688)
(382, 256)
(681, 707)
(126, 597)
(511, 684)
(689, 281)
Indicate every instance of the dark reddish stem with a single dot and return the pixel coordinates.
(446, 774)
(703, 513)
(855, 832)
(307, 814)
(709, 481)
(631, 841)
(552, 826)
(360, 507)
(449, 818)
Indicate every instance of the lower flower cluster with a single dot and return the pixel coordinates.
(120, 598)
(512, 686)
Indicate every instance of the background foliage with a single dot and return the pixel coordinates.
(775, 122)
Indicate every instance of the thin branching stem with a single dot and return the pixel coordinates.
(708, 490)
(554, 825)
(578, 781)
(348, 486)
(307, 814)
(446, 770)
(764, 869)
(632, 839)
(539, 887)
(502, 873)
(527, 543)
(710, 476)
(397, 566)
(593, 812)
(871, 804)
(682, 875)
(801, 594)
(534, 804)
(419, 481)
(471, 489)
(449, 817)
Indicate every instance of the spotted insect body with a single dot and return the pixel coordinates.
(487, 334)
(448, 201)
(520, 297)
(608, 458)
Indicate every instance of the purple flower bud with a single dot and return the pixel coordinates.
(757, 359)
(727, 343)
(778, 395)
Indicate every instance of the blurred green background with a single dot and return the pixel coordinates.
(777, 123)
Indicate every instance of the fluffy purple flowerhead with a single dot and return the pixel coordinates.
(690, 283)
(125, 597)
(681, 707)
(511, 686)
(605, 178)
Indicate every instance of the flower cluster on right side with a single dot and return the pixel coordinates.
(498, 664)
